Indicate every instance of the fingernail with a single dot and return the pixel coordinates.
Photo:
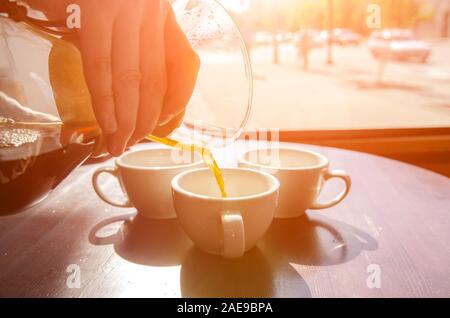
(166, 119)
(132, 142)
(116, 149)
(110, 127)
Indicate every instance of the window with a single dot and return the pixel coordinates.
(382, 72)
(396, 76)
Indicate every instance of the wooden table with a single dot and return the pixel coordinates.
(392, 232)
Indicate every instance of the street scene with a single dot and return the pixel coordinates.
(351, 93)
(390, 73)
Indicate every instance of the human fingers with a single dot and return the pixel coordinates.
(153, 69)
(126, 72)
(95, 47)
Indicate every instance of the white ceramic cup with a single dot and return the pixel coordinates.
(225, 226)
(302, 175)
(145, 177)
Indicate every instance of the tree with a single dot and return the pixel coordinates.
(445, 24)
(330, 32)
(296, 14)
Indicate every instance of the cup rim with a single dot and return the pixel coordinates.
(120, 163)
(273, 188)
(325, 162)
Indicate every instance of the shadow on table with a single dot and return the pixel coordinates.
(144, 241)
(314, 240)
(251, 276)
(163, 243)
(265, 271)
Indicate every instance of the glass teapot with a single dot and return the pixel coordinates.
(47, 125)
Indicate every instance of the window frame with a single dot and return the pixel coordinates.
(425, 147)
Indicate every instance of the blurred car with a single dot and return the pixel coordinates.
(345, 37)
(318, 37)
(284, 37)
(266, 38)
(262, 38)
(398, 44)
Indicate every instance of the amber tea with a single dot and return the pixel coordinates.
(33, 162)
(206, 154)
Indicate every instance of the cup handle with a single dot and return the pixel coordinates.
(114, 172)
(233, 234)
(94, 239)
(348, 183)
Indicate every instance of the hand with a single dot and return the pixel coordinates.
(138, 64)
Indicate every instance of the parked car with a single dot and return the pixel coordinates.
(398, 44)
(284, 37)
(318, 37)
(345, 37)
(265, 38)
(262, 38)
